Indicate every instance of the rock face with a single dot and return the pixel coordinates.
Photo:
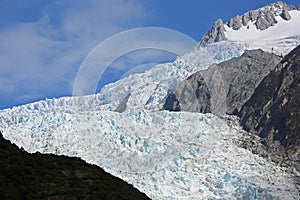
(38, 176)
(265, 20)
(286, 15)
(215, 34)
(235, 23)
(249, 16)
(191, 95)
(222, 88)
(273, 111)
(262, 18)
(122, 105)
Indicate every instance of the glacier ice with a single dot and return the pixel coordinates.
(167, 155)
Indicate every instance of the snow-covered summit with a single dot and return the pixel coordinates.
(263, 18)
(282, 29)
(277, 21)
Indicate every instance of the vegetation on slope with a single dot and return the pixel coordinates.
(39, 176)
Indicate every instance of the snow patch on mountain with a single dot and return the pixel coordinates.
(166, 155)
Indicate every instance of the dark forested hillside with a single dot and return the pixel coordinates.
(39, 176)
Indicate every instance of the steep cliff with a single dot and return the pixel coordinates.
(273, 111)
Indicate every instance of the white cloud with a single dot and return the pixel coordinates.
(40, 58)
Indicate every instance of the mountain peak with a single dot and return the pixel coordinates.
(215, 34)
(261, 19)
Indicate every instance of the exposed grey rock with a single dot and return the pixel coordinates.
(172, 102)
(225, 87)
(192, 95)
(235, 23)
(265, 20)
(273, 111)
(261, 23)
(122, 105)
(215, 34)
(243, 74)
(286, 15)
(253, 14)
(279, 5)
(270, 17)
(245, 19)
(249, 16)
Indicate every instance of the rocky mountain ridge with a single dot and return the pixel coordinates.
(263, 18)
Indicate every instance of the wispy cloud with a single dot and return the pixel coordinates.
(40, 58)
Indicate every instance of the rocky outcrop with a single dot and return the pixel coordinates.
(222, 88)
(235, 23)
(215, 34)
(265, 20)
(249, 16)
(191, 95)
(273, 112)
(286, 15)
(122, 105)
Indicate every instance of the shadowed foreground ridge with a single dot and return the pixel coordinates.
(37, 176)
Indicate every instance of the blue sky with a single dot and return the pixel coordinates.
(42, 43)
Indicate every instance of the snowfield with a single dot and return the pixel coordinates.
(279, 39)
(167, 155)
(282, 29)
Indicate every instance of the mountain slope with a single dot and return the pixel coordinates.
(222, 88)
(273, 112)
(37, 176)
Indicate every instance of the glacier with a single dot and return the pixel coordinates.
(167, 155)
